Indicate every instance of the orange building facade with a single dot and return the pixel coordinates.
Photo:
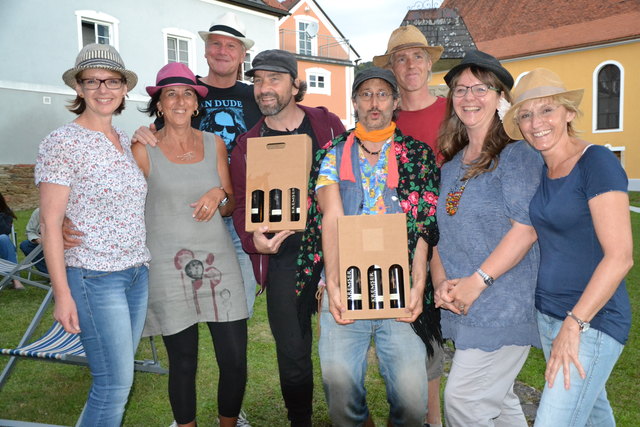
(326, 60)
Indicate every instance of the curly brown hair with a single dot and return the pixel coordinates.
(453, 135)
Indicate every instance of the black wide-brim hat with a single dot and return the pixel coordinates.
(477, 58)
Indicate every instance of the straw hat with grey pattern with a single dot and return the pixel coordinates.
(102, 56)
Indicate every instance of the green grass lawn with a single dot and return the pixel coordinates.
(55, 393)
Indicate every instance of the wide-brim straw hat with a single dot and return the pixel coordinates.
(228, 25)
(406, 38)
(102, 56)
(176, 74)
(538, 83)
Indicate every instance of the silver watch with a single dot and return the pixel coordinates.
(584, 326)
(488, 280)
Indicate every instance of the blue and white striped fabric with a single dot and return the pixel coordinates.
(55, 344)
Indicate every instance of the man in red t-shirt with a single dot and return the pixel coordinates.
(410, 58)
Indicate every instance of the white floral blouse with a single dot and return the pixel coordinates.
(107, 196)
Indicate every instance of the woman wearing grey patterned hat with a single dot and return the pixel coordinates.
(86, 171)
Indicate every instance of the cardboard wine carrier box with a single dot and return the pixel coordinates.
(373, 251)
(277, 177)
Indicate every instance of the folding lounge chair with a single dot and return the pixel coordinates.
(10, 270)
(56, 345)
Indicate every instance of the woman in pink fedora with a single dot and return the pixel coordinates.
(581, 215)
(194, 273)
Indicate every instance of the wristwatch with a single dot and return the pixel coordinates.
(224, 201)
(584, 326)
(488, 280)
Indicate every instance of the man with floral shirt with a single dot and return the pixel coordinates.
(371, 170)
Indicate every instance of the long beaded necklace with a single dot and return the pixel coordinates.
(454, 195)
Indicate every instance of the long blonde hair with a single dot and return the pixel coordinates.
(453, 135)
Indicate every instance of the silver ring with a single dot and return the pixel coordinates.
(461, 306)
(206, 207)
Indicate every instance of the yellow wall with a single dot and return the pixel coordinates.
(576, 69)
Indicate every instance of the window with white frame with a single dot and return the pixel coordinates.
(306, 44)
(96, 27)
(179, 46)
(95, 32)
(177, 50)
(608, 94)
(304, 40)
(318, 81)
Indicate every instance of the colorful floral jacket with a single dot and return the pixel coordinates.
(418, 186)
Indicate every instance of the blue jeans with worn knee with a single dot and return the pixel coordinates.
(246, 268)
(402, 363)
(112, 307)
(585, 403)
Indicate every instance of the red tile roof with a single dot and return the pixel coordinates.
(275, 4)
(514, 28)
(288, 4)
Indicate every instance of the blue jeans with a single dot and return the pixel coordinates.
(7, 249)
(27, 246)
(585, 403)
(111, 309)
(402, 362)
(246, 268)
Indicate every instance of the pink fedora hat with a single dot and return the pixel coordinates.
(176, 74)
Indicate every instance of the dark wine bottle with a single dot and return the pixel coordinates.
(257, 206)
(275, 205)
(376, 298)
(354, 289)
(295, 204)
(396, 287)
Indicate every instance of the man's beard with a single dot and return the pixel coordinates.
(271, 110)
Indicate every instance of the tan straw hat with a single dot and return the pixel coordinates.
(406, 38)
(539, 83)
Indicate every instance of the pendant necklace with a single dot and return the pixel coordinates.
(189, 155)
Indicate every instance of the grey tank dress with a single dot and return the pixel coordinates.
(194, 275)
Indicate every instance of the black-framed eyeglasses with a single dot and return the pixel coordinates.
(93, 84)
(368, 95)
(479, 90)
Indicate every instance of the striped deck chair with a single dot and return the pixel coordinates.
(56, 345)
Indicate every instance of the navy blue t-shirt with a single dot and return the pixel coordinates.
(569, 248)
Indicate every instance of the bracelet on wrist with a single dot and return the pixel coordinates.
(225, 200)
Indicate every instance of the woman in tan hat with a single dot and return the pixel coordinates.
(486, 276)
(581, 215)
(86, 171)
